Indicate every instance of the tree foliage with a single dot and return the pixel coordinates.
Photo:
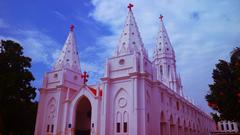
(17, 110)
(224, 94)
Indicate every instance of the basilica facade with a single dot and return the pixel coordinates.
(136, 96)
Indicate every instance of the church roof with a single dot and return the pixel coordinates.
(68, 57)
(163, 45)
(94, 91)
(130, 40)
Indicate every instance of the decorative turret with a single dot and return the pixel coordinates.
(130, 40)
(68, 57)
(164, 60)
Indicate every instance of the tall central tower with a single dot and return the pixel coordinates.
(164, 60)
(126, 84)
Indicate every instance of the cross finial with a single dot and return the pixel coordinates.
(130, 6)
(85, 76)
(71, 27)
(161, 17)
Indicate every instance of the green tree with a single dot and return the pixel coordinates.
(224, 94)
(17, 109)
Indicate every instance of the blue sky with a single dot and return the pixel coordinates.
(201, 32)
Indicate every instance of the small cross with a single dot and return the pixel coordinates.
(85, 76)
(130, 6)
(71, 27)
(161, 17)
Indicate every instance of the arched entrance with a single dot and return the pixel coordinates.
(83, 117)
(172, 126)
(163, 124)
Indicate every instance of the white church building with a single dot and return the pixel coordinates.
(136, 96)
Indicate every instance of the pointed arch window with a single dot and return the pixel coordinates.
(52, 128)
(222, 127)
(51, 115)
(161, 70)
(125, 122)
(48, 128)
(170, 101)
(118, 124)
(148, 117)
(168, 70)
(177, 104)
(232, 126)
(121, 112)
(162, 97)
(227, 126)
(118, 127)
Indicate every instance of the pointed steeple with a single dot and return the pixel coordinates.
(164, 60)
(163, 46)
(68, 57)
(130, 40)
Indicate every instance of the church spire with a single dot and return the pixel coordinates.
(68, 57)
(130, 40)
(163, 46)
(164, 60)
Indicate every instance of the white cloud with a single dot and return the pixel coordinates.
(88, 66)
(37, 45)
(94, 70)
(200, 31)
(110, 43)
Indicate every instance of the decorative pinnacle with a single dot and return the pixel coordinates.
(161, 17)
(130, 6)
(71, 27)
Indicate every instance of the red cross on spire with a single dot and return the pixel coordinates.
(71, 27)
(161, 17)
(85, 76)
(130, 6)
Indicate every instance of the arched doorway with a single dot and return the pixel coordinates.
(83, 117)
(179, 127)
(163, 124)
(172, 126)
